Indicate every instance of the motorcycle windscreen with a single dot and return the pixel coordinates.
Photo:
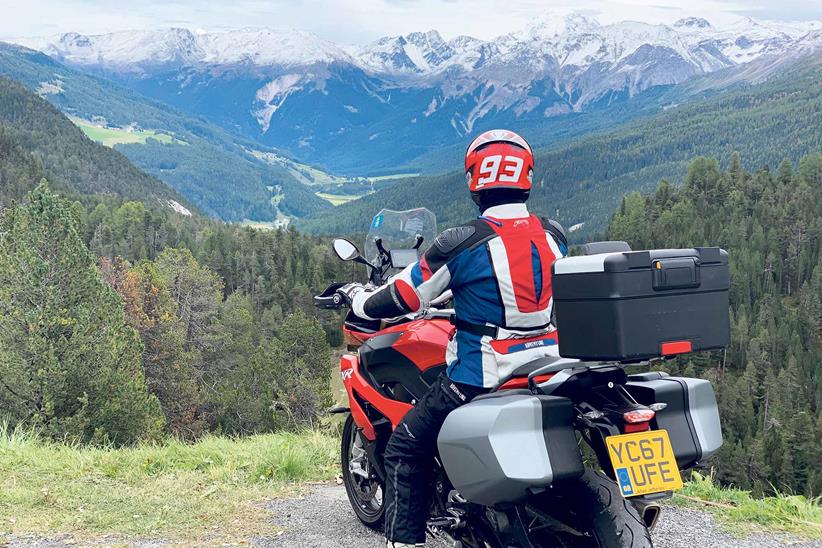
(399, 230)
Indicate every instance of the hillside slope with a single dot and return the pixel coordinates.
(37, 141)
(206, 164)
(583, 181)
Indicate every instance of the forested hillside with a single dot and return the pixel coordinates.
(122, 323)
(209, 166)
(122, 319)
(769, 381)
(34, 134)
(583, 182)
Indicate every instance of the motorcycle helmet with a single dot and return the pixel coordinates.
(499, 168)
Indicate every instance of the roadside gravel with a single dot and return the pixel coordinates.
(323, 519)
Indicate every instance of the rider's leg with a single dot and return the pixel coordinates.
(409, 457)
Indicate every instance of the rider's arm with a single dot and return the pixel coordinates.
(412, 289)
(557, 233)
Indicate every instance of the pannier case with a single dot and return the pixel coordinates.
(691, 416)
(636, 305)
(500, 446)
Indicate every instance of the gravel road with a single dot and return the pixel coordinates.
(323, 519)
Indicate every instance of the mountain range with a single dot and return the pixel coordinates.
(381, 107)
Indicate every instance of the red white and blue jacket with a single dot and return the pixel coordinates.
(498, 267)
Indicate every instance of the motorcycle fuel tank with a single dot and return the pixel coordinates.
(497, 447)
(404, 360)
(422, 341)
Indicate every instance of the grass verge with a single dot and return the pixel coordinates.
(740, 513)
(214, 490)
(211, 490)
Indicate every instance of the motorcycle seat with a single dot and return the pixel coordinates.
(557, 364)
(546, 366)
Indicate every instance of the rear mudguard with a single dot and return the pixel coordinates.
(361, 393)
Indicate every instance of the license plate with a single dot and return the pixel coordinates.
(644, 463)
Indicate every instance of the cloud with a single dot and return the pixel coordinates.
(789, 10)
(357, 21)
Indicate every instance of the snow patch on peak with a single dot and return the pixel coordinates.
(265, 46)
(692, 23)
(130, 50)
(555, 24)
(415, 53)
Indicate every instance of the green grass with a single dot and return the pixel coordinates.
(337, 199)
(118, 136)
(214, 490)
(211, 490)
(741, 513)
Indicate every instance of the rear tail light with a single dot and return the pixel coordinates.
(638, 415)
(673, 348)
(638, 420)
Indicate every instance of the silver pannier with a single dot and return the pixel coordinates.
(500, 445)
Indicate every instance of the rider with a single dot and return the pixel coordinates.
(498, 267)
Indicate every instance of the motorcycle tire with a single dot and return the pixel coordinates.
(608, 519)
(369, 509)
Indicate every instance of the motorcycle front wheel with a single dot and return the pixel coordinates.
(364, 489)
(590, 513)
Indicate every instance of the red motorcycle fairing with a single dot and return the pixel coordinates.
(420, 342)
(358, 389)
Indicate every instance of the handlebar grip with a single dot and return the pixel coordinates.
(333, 302)
(329, 298)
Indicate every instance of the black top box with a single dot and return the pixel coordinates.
(636, 305)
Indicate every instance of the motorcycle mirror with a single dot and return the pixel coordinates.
(345, 250)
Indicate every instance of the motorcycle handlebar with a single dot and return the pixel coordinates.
(330, 299)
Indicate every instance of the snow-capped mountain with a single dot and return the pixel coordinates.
(139, 50)
(294, 90)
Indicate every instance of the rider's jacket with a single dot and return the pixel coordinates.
(498, 267)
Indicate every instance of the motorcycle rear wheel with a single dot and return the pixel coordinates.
(593, 503)
(365, 491)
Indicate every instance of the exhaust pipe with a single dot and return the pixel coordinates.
(650, 514)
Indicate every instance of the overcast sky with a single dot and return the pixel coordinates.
(358, 21)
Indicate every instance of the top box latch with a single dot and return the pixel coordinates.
(675, 273)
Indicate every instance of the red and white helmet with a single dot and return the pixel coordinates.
(499, 159)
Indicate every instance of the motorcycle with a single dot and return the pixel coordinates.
(563, 452)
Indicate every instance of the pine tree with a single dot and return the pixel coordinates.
(69, 363)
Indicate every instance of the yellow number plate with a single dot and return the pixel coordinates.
(644, 463)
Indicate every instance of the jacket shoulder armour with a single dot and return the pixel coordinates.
(453, 241)
(450, 239)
